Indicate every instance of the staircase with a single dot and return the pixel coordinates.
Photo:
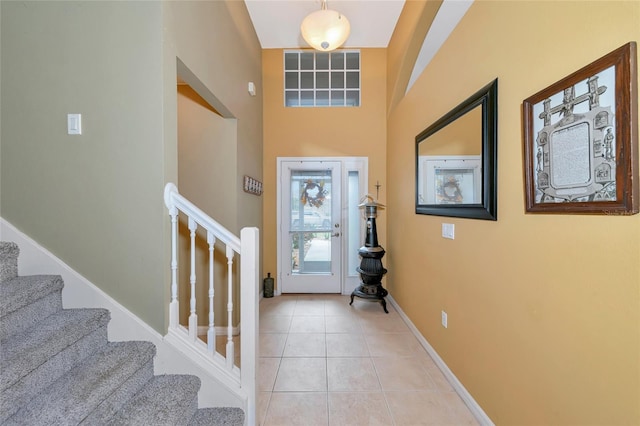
(57, 366)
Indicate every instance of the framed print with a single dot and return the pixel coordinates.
(581, 140)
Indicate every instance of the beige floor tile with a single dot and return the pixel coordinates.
(309, 307)
(358, 409)
(351, 374)
(418, 408)
(275, 323)
(338, 306)
(302, 375)
(267, 371)
(281, 305)
(346, 345)
(263, 404)
(297, 409)
(427, 362)
(383, 323)
(459, 412)
(271, 344)
(307, 324)
(393, 345)
(305, 345)
(342, 324)
(311, 297)
(441, 383)
(402, 374)
(347, 365)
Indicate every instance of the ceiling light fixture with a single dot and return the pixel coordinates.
(325, 29)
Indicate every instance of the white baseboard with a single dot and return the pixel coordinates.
(471, 403)
(79, 292)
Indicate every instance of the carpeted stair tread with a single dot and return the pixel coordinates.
(219, 416)
(165, 400)
(27, 300)
(9, 252)
(27, 386)
(58, 368)
(19, 292)
(23, 353)
(74, 396)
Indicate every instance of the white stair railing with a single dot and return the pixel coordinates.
(242, 380)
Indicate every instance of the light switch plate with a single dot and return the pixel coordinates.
(74, 124)
(448, 230)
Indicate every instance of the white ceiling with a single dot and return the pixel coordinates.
(277, 22)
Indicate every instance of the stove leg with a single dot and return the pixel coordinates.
(351, 303)
(384, 305)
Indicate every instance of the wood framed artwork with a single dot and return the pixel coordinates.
(581, 140)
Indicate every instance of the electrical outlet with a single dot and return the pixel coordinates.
(444, 319)
(448, 230)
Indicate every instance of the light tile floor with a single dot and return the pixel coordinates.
(323, 362)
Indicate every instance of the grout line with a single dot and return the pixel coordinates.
(360, 332)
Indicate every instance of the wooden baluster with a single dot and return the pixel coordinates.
(230, 350)
(174, 307)
(193, 318)
(211, 332)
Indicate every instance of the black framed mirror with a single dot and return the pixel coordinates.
(456, 160)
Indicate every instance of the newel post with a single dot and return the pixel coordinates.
(249, 314)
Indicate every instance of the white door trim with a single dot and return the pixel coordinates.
(311, 274)
(349, 279)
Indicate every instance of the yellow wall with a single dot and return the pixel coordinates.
(211, 45)
(206, 158)
(216, 41)
(462, 137)
(543, 310)
(322, 132)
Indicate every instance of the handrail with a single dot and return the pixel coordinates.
(242, 381)
(172, 198)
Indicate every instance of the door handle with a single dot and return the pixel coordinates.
(337, 234)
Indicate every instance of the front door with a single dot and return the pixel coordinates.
(310, 249)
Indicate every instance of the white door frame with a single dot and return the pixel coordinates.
(349, 279)
(319, 269)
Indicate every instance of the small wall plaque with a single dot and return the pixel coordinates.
(252, 186)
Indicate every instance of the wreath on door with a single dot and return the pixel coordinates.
(449, 191)
(313, 193)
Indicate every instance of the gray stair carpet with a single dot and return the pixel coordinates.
(57, 366)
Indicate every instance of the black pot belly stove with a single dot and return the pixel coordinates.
(371, 270)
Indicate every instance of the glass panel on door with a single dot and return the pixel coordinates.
(311, 224)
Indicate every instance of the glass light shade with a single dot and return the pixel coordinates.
(325, 29)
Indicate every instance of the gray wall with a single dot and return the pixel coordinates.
(95, 200)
